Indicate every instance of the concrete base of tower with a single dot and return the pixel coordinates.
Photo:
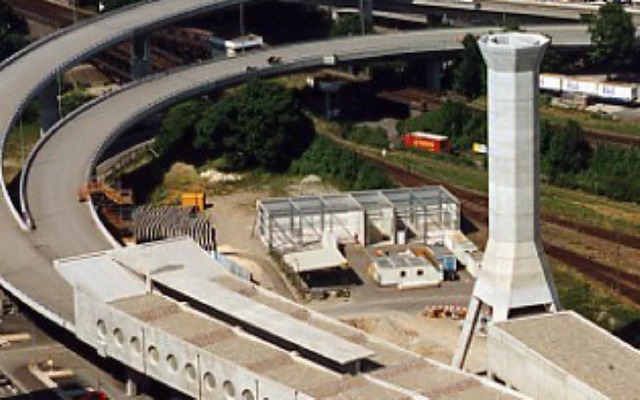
(514, 276)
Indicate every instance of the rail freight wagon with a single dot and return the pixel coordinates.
(551, 82)
(427, 141)
(618, 91)
(580, 86)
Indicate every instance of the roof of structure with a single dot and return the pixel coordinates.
(313, 260)
(582, 349)
(239, 343)
(357, 201)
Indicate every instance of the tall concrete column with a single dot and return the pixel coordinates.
(131, 384)
(515, 272)
(434, 74)
(49, 108)
(366, 13)
(140, 57)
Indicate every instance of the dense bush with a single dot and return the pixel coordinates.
(74, 99)
(260, 126)
(349, 25)
(460, 123)
(368, 136)
(613, 172)
(567, 158)
(13, 31)
(346, 168)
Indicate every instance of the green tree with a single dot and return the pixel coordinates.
(13, 31)
(346, 168)
(74, 99)
(612, 37)
(373, 136)
(179, 125)
(262, 125)
(564, 150)
(469, 73)
(349, 25)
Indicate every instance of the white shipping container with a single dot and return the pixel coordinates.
(575, 85)
(618, 91)
(551, 82)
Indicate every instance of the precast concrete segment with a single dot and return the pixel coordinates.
(64, 223)
(515, 269)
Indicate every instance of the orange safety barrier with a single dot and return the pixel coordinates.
(121, 197)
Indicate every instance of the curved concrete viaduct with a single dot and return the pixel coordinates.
(25, 267)
(63, 161)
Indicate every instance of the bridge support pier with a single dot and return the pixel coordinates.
(131, 385)
(49, 106)
(366, 15)
(140, 56)
(433, 68)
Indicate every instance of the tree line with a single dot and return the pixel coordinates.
(13, 31)
(612, 49)
(567, 158)
(260, 126)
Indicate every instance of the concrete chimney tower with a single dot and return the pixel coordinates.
(515, 272)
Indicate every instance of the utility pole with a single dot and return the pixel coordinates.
(242, 32)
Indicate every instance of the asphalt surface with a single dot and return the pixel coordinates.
(65, 227)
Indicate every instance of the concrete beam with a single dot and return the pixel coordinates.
(49, 106)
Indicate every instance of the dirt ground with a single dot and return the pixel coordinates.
(234, 217)
(433, 338)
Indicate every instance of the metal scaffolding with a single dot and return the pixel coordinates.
(294, 223)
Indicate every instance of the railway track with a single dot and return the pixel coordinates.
(475, 206)
(611, 137)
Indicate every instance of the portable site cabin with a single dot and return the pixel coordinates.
(405, 271)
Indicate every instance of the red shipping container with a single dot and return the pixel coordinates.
(426, 141)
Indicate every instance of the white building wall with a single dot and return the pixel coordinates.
(178, 364)
(393, 277)
(528, 372)
(383, 221)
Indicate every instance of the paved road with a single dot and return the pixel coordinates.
(64, 226)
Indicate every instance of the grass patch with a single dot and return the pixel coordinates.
(590, 209)
(293, 82)
(593, 301)
(12, 150)
(572, 205)
(443, 169)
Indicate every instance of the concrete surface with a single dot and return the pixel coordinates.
(515, 272)
(563, 356)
